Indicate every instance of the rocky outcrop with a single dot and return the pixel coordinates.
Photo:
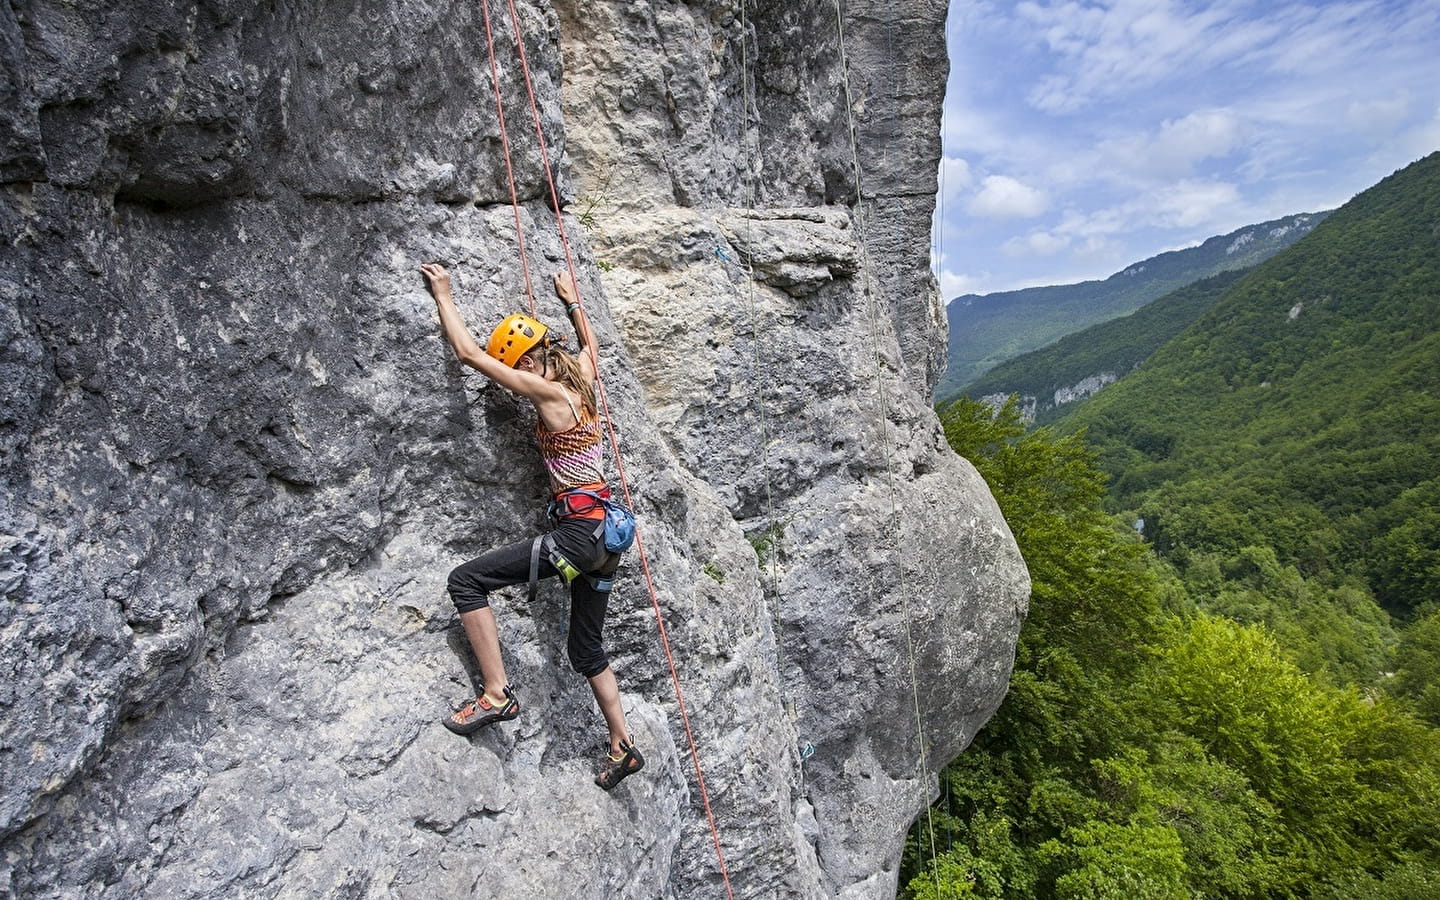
(238, 461)
(1030, 405)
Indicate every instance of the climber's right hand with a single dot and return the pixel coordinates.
(438, 280)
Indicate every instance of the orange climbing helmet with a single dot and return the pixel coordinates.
(516, 336)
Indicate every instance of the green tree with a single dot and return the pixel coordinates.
(1105, 861)
(1150, 750)
(1404, 556)
(1094, 613)
(1417, 671)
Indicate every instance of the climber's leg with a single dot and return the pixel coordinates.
(470, 585)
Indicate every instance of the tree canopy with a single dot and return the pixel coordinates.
(1150, 749)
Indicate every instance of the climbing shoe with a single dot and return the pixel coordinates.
(480, 712)
(617, 768)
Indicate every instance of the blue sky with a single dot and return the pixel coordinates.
(1080, 137)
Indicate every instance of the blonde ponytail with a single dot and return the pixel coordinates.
(567, 372)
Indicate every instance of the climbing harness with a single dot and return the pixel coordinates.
(545, 544)
(617, 521)
(618, 525)
(609, 428)
(577, 502)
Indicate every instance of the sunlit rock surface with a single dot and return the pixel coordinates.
(238, 461)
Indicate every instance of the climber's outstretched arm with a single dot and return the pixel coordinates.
(589, 350)
(527, 385)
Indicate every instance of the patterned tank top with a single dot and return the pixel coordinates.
(573, 457)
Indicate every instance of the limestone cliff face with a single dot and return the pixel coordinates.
(238, 460)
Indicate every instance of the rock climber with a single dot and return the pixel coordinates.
(522, 356)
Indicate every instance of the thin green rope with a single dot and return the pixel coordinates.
(866, 269)
(773, 533)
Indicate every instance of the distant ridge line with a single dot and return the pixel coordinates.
(988, 329)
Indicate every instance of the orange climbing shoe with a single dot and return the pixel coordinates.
(617, 769)
(479, 712)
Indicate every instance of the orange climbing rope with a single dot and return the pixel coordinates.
(505, 143)
(609, 428)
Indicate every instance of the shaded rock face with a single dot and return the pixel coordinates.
(238, 461)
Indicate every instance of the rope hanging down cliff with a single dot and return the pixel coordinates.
(601, 393)
(509, 168)
(866, 270)
(867, 275)
(774, 533)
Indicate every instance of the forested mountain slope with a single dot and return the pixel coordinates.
(1302, 413)
(1151, 749)
(987, 330)
(1224, 710)
(1078, 365)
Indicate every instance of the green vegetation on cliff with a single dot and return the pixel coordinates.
(1150, 750)
(1241, 698)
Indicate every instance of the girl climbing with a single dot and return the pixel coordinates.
(522, 357)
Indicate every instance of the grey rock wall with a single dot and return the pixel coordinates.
(238, 461)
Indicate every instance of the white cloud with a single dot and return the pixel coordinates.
(1111, 50)
(1036, 243)
(1188, 203)
(954, 284)
(1327, 37)
(955, 178)
(1124, 48)
(968, 130)
(1098, 224)
(1099, 233)
(1199, 135)
(1003, 197)
(1422, 140)
(1174, 149)
(1378, 116)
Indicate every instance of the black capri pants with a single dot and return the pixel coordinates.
(470, 585)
